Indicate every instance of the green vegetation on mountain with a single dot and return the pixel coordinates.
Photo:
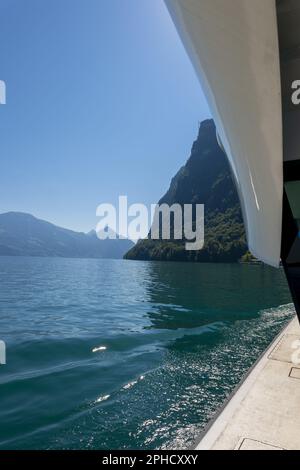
(204, 179)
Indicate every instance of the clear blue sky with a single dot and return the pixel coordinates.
(101, 100)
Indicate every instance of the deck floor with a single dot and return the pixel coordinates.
(264, 412)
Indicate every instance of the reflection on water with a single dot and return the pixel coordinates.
(124, 354)
(192, 295)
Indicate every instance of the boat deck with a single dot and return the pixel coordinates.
(263, 413)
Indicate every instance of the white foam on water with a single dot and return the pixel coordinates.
(280, 312)
(99, 348)
(130, 384)
(134, 382)
(102, 398)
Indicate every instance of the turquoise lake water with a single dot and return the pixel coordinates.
(115, 354)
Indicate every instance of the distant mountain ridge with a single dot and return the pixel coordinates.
(23, 234)
(204, 179)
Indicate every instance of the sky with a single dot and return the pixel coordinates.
(101, 101)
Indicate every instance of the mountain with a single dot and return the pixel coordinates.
(24, 235)
(204, 179)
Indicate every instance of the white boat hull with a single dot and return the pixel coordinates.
(233, 45)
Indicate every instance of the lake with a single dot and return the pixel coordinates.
(117, 354)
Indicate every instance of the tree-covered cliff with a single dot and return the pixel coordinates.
(204, 179)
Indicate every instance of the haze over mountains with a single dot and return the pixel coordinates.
(23, 234)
